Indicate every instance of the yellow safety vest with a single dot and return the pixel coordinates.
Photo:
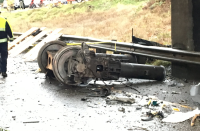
(3, 29)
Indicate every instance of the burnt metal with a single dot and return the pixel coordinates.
(146, 42)
(36, 32)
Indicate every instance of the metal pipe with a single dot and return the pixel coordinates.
(140, 71)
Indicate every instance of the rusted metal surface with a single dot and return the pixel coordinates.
(50, 59)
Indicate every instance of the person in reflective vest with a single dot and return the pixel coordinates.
(5, 35)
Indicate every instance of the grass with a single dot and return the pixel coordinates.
(103, 19)
(1, 129)
(160, 63)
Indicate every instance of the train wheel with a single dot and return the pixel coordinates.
(42, 55)
(60, 64)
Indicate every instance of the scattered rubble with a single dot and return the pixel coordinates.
(180, 116)
(127, 105)
(121, 109)
(175, 83)
(175, 109)
(121, 99)
(174, 92)
(195, 93)
(2, 82)
(194, 118)
(31, 122)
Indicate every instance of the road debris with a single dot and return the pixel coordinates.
(93, 105)
(180, 116)
(121, 99)
(154, 103)
(195, 93)
(2, 82)
(164, 92)
(138, 108)
(99, 92)
(193, 119)
(150, 115)
(14, 117)
(147, 118)
(175, 83)
(148, 104)
(174, 92)
(180, 85)
(31, 122)
(121, 109)
(83, 99)
(167, 108)
(140, 128)
(175, 109)
(172, 83)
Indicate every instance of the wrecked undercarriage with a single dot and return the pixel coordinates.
(75, 65)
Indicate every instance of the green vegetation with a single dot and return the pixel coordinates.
(1, 1)
(48, 13)
(1, 129)
(103, 19)
(160, 63)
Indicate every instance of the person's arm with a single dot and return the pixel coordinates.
(9, 31)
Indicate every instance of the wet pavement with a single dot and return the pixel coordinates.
(31, 102)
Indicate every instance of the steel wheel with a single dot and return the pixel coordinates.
(42, 55)
(60, 64)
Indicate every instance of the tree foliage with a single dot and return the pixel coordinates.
(1, 1)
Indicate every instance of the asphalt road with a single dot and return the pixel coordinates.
(30, 102)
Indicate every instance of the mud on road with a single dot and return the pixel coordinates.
(31, 102)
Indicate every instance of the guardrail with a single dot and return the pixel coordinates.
(162, 53)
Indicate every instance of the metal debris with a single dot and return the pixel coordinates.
(121, 99)
(180, 85)
(2, 82)
(99, 92)
(174, 92)
(175, 83)
(83, 99)
(195, 93)
(31, 122)
(172, 83)
(138, 108)
(150, 115)
(121, 109)
(164, 92)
